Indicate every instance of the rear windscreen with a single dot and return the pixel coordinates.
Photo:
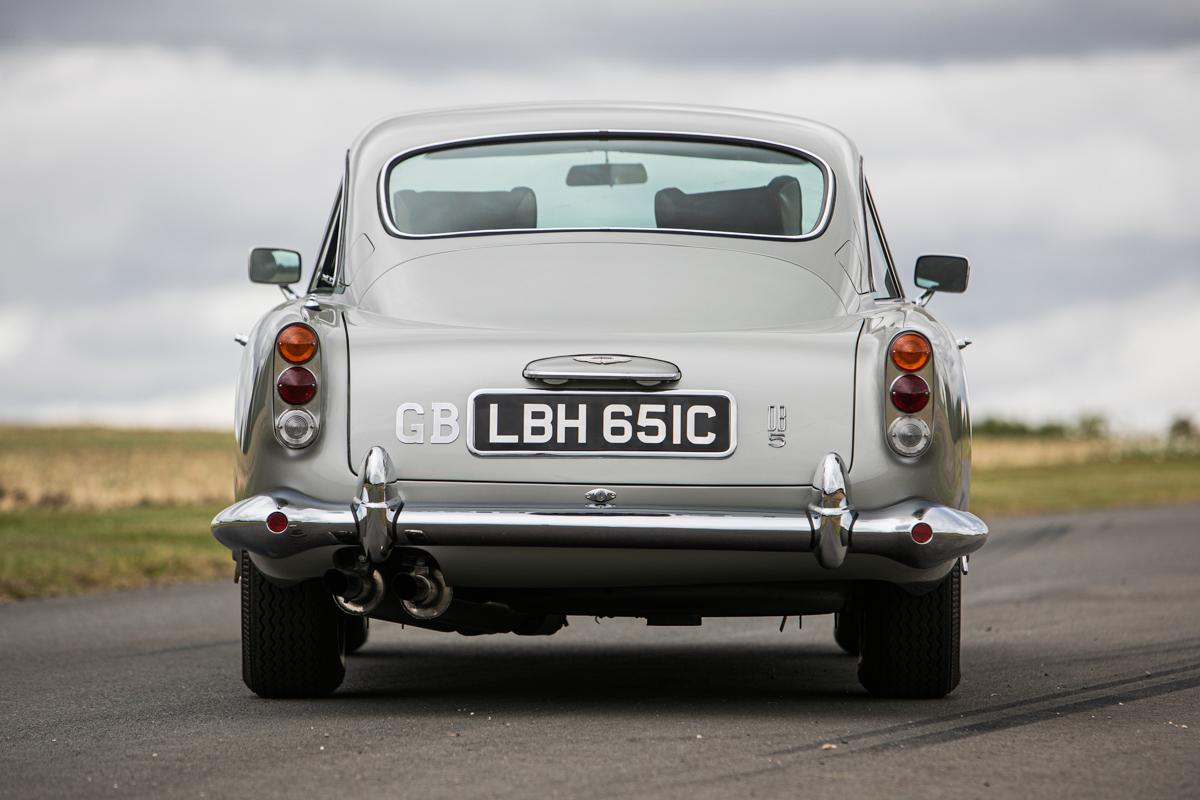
(602, 183)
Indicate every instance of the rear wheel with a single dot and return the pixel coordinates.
(357, 631)
(845, 631)
(292, 637)
(910, 645)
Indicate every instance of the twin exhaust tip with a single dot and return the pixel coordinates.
(423, 593)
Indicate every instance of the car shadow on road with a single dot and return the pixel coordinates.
(662, 676)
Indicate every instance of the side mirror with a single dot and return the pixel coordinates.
(942, 274)
(274, 265)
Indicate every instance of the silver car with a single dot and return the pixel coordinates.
(603, 360)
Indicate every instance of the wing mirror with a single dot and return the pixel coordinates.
(941, 274)
(274, 265)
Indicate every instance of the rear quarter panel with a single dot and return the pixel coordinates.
(263, 464)
(878, 475)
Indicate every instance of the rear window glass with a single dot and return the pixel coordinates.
(602, 183)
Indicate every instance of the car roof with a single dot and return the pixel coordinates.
(391, 135)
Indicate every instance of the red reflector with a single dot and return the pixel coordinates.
(922, 533)
(910, 393)
(277, 522)
(296, 386)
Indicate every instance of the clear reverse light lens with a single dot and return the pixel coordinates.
(909, 436)
(296, 428)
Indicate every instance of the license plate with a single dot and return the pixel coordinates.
(680, 424)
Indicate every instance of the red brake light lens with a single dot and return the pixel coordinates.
(277, 522)
(297, 344)
(296, 386)
(911, 351)
(910, 393)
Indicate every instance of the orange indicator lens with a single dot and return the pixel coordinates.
(297, 344)
(910, 352)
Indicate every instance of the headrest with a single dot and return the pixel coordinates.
(447, 212)
(772, 210)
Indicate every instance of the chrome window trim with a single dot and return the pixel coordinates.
(385, 214)
(866, 236)
(331, 225)
(733, 424)
(871, 216)
(339, 268)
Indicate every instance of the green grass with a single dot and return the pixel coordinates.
(66, 552)
(1124, 482)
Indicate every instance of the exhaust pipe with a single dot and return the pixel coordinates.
(423, 592)
(355, 593)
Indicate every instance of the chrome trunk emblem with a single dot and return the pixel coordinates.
(600, 497)
(603, 360)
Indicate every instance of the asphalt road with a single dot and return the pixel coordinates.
(1081, 677)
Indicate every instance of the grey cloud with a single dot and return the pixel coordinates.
(464, 37)
(137, 179)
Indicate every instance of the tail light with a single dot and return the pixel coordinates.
(296, 427)
(296, 386)
(297, 344)
(910, 352)
(910, 393)
(909, 436)
(908, 412)
(297, 405)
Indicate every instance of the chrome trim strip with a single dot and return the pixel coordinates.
(885, 532)
(602, 453)
(385, 206)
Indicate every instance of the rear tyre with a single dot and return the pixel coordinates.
(845, 631)
(910, 645)
(292, 637)
(357, 631)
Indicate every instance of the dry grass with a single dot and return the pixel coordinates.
(992, 453)
(103, 469)
(989, 453)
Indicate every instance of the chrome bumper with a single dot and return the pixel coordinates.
(377, 521)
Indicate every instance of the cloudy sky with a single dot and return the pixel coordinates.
(146, 144)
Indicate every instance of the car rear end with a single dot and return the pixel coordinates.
(515, 429)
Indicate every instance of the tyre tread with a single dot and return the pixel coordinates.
(291, 637)
(910, 644)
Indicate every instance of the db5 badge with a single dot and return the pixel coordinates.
(777, 426)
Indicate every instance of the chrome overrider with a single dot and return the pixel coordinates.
(376, 503)
(377, 520)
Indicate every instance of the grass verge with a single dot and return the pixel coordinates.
(66, 552)
(1120, 483)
